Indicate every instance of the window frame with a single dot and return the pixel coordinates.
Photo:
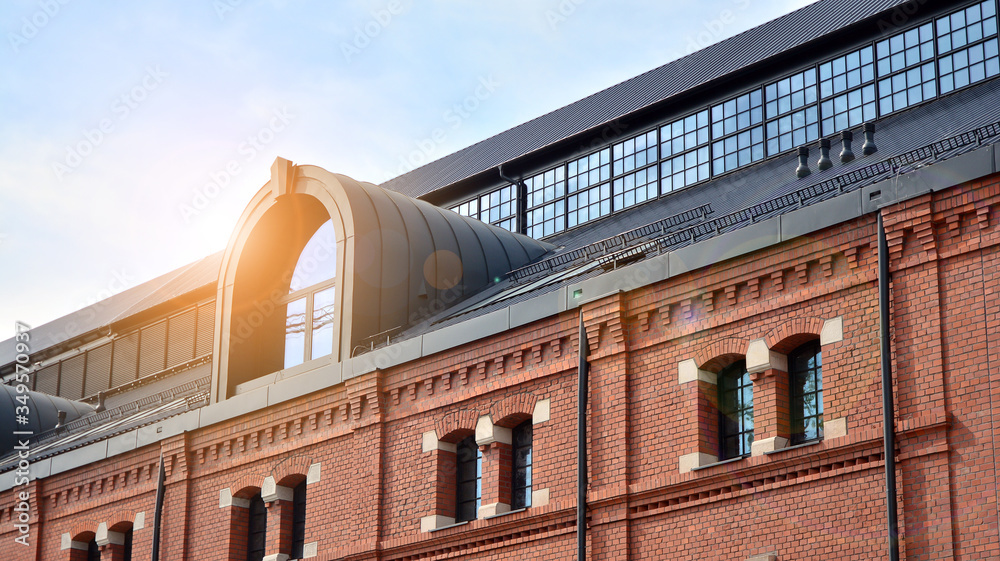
(521, 492)
(463, 496)
(736, 371)
(309, 294)
(259, 517)
(796, 412)
(93, 550)
(299, 502)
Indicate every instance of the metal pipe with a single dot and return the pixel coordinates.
(888, 416)
(158, 510)
(583, 371)
(522, 200)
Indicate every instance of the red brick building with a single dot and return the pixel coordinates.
(390, 372)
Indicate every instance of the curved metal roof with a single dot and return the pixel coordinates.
(413, 259)
(43, 415)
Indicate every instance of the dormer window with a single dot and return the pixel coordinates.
(309, 308)
(320, 264)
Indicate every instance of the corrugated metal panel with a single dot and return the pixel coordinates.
(206, 329)
(180, 338)
(126, 356)
(152, 349)
(682, 75)
(98, 369)
(47, 380)
(71, 379)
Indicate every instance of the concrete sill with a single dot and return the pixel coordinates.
(455, 525)
(796, 447)
(723, 462)
(506, 513)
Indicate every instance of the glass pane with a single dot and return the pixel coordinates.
(323, 317)
(295, 332)
(318, 260)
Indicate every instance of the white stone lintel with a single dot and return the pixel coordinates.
(833, 331)
(313, 475)
(541, 412)
(487, 433)
(761, 358)
(688, 371)
(430, 442)
(270, 491)
(226, 499)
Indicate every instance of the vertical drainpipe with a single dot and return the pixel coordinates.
(888, 430)
(581, 445)
(521, 194)
(158, 509)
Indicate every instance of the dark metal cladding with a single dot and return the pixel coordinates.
(696, 69)
(43, 414)
(449, 257)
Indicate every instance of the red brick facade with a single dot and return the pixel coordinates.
(362, 443)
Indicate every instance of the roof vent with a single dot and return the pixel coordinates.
(61, 416)
(803, 169)
(847, 155)
(869, 147)
(824, 162)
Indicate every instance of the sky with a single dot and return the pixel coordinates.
(134, 134)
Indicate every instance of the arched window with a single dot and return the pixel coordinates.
(735, 411)
(468, 490)
(805, 365)
(256, 529)
(309, 313)
(298, 519)
(93, 552)
(521, 469)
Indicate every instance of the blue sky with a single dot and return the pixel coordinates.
(132, 135)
